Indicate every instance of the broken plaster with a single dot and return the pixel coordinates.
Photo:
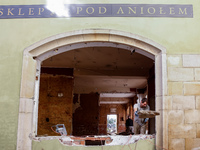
(109, 140)
(76, 105)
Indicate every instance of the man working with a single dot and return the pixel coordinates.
(140, 123)
(129, 125)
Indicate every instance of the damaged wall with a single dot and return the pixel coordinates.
(146, 144)
(178, 35)
(86, 117)
(55, 103)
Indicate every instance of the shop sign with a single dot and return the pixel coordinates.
(96, 10)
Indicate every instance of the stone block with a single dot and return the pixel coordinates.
(167, 103)
(28, 78)
(183, 102)
(174, 61)
(192, 144)
(192, 116)
(68, 40)
(26, 105)
(182, 131)
(177, 144)
(191, 60)
(197, 74)
(192, 88)
(158, 104)
(159, 122)
(175, 88)
(24, 130)
(161, 75)
(176, 117)
(198, 130)
(123, 40)
(165, 129)
(180, 74)
(96, 37)
(44, 48)
(198, 102)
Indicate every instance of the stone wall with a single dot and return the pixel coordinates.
(183, 101)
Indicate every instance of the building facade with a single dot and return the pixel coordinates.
(105, 47)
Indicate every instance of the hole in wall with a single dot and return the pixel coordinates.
(47, 119)
(81, 108)
(159, 51)
(94, 143)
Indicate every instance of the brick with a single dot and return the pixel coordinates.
(183, 102)
(177, 144)
(192, 116)
(191, 144)
(176, 117)
(191, 60)
(174, 60)
(82, 142)
(180, 74)
(182, 131)
(192, 88)
(175, 88)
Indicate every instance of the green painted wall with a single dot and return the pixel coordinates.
(178, 35)
(55, 144)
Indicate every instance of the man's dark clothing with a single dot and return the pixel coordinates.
(129, 126)
(129, 122)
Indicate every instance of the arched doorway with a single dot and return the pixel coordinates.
(37, 53)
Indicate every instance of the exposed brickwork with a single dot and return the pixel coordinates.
(82, 140)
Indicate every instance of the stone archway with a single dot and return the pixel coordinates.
(35, 54)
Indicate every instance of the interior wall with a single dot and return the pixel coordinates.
(55, 103)
(86, 117)
(121, 112)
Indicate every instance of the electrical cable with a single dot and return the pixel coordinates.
(54, 130)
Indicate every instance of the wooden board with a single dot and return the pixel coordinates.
(147, 114)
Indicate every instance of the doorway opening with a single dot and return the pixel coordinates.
(111, 124)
